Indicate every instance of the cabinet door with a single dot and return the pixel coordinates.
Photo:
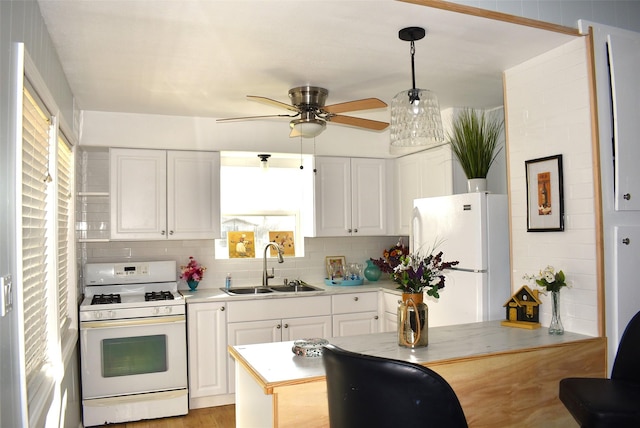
(206, 325)
(333, 196)
(355, 324)
(407, 188)
(246, 333)
(421, 175)
(193, 195)
(624, 60)
(390, 322)
(308, 327)
(369, 197)
(138, 194)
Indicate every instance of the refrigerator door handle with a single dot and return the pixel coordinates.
(469, 270)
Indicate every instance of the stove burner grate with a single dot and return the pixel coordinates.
(101, 299)
(158, 295)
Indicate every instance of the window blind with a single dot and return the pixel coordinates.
(64, 174)
(35, 141)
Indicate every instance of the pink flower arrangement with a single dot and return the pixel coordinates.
(193, 271)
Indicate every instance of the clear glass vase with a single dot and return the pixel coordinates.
(556, 325)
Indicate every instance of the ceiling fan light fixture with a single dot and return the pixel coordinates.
(307, 128)
(415, 113)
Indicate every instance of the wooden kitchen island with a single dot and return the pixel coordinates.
(504, 377)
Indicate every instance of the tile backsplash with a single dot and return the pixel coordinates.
(310, 268)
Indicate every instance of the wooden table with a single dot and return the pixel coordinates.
(503, 376)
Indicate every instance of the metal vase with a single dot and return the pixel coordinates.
(413, 321)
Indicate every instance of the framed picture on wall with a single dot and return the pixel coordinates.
(545, 200)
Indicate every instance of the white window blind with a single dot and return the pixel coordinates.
(35, 142)
(64, 174)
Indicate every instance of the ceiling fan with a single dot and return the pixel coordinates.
(312, 115)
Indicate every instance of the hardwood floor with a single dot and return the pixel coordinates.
(210, 417)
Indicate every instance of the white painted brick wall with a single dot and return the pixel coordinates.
(547, 107)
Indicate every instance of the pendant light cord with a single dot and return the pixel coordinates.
(413, 93)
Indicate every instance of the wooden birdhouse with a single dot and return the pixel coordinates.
(522, 309)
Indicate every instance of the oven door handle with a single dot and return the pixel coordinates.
(133, 322)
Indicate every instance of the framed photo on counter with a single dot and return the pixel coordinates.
(335, 266)
(545, 199)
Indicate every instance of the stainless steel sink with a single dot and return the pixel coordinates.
(293, 288)
(289, 288)
(247, 290)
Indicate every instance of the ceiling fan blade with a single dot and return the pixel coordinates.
(231, 119)
(274, 103)
(365, 104)
(294, 133)
(359, 122)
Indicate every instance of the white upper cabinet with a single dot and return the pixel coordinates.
(351, 196)
(193, 194)
(420, 175)
(157, 194)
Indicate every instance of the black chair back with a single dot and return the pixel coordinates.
(626, 366)
(368, 391)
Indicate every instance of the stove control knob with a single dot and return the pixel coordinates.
(156, 311)
(97, 315)
(167, 309)
(112, 314)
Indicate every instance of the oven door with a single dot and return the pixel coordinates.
(133, 356)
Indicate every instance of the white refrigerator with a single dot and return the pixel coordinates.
(472, 228)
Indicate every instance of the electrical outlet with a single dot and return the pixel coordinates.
(6, 301)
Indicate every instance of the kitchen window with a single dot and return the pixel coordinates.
(259, 201)
(46, 267)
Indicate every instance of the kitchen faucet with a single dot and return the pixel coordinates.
(265, 274)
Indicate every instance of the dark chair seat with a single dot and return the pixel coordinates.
(615, 402)
(368, 391)
(602, 402)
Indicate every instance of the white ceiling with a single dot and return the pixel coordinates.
(202, 57)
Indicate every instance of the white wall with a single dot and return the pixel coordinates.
(547, 107)
(116, 129)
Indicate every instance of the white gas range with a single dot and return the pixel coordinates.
(133, 343)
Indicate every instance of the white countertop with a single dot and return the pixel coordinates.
(275, 363)
(205, 295)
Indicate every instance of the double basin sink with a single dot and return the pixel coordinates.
(289, 288)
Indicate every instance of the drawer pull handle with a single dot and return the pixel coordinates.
(626, 241)
(626, 196)
(355, 299)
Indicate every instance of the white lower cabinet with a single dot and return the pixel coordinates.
(354, 313)
(213, 326)
(274, 320)
(390, 311)
(207, 349)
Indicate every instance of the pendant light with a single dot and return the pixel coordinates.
(415, 113)
(264, 166)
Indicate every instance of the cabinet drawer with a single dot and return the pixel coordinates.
(354, 302)
(264, 309)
